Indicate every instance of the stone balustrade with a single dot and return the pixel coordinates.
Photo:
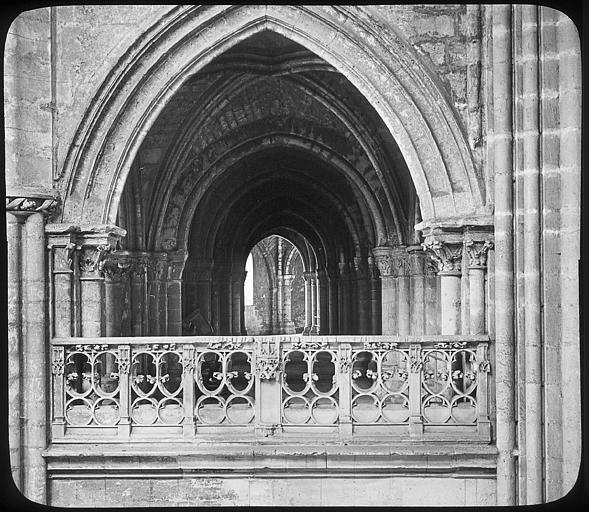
(430, 388)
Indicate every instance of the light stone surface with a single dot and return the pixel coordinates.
(400, 491)
(187, 134)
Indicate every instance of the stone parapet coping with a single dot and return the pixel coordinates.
(178, 340)
(172, 460)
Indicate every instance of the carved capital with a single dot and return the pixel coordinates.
(417, 260)
(92, 258)
(156, 265)
(478, 252)
(361, 268)
(115, 266)
(401, 262)
(288, 279)
(372, 268)
(447, 255)
(383, 256)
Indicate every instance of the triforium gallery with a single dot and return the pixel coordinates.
(293, 255)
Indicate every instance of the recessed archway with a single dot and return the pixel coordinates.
(406, 97)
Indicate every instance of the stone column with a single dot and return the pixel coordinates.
(225, 311)
(323, 286)
(375, 298)
(501, 150)
(156, 292)
(62, 262)
(403, 291)
(363, 308)
(570, 98)
(176, 261)
(315, 299)
(289, 327)
(345, 296)
(237, 311)
(383, 256)
(35, 365)
(116, 268)
(417, 303)
(333, 283)
(215, 306)
(137, 271)
(477, 267)
(95, 243)
(204, 288)
(280, 303)
(308, 303)
(27, 338)
(432, 316)
(14, 232)
(447, 252)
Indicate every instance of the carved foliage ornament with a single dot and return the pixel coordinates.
(380, 345)
(484, 366)
(345, 363)
(225, 345)
(477, 252)
(268, 367)
(310, 345)
(448, 256)
(57, 362)
(124, 360)
(385, 265)
(415, 360)
(115, 268)
(92, 258)
(403, 264)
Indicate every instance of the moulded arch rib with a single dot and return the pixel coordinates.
(406, 97)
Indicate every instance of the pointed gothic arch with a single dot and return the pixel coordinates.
(385, 70)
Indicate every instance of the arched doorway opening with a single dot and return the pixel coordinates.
(275, 283)
(278, 143)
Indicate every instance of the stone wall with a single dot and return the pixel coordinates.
(273, 491)
(75, 47)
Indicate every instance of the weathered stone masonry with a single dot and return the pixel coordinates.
(416, 167)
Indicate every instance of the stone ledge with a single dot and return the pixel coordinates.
(176, 459)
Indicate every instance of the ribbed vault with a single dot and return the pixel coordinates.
(268, 139)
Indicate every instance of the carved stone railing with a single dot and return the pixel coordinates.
(344, 387)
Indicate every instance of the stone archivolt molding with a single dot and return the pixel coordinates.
(410, 87)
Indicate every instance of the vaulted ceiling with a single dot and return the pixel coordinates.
(268, 139)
